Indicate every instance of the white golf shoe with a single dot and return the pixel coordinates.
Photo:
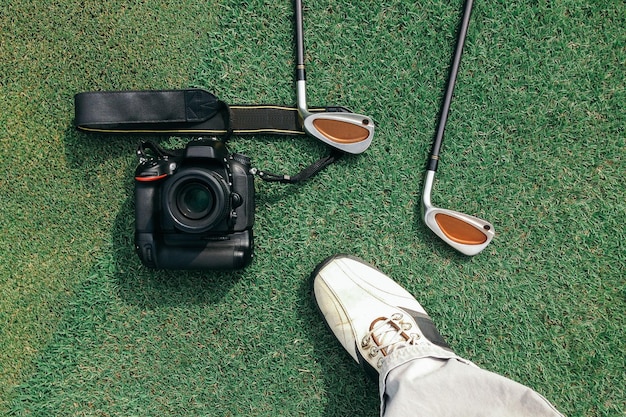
(369, 313)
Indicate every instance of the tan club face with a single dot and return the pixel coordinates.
(348, 132)
(459, 231)
(342, 132)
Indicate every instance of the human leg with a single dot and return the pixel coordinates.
(392, 337)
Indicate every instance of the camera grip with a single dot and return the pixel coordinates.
(145, 197)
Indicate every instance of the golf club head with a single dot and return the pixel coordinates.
(348, 132)
(467, 234)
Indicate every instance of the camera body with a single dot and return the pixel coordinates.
(194, 208)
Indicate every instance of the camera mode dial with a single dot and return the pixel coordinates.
(154, 170)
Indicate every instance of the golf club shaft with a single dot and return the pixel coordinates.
(454, 70)
(300, 71)
(299, 36)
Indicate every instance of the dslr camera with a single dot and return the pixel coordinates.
(194, 207)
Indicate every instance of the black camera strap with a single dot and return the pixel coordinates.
(183, 112)
(303, 175)
(149, 150)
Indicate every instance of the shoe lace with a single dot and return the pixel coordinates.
(386, 334)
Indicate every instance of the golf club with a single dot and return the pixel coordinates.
(348, 132)
(467, 234)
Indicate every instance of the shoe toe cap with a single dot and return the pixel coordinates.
(351, 272)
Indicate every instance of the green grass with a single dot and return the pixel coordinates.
(535, 144)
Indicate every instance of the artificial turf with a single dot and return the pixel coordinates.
(535, 144)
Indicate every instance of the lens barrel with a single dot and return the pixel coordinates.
(196, 200)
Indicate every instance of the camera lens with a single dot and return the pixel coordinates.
(195, 200)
